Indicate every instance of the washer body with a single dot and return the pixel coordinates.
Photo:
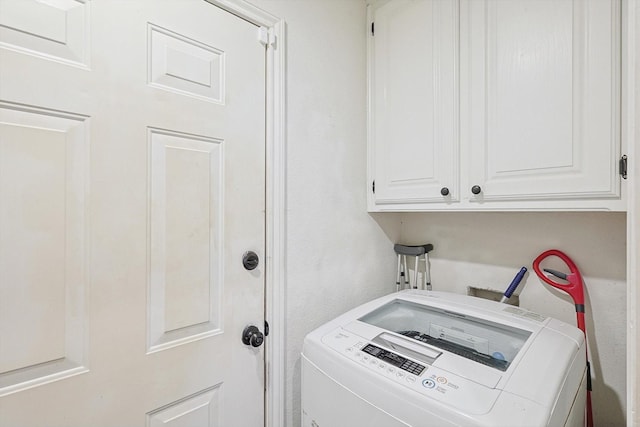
(424, 358)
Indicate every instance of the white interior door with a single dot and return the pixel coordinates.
(131, 184)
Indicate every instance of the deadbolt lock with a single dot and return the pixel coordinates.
(250, 260)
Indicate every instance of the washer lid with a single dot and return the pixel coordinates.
(479, 340)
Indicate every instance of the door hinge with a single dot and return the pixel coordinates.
(373, 186)
(623, 166)
(266, 37)
(373, 28)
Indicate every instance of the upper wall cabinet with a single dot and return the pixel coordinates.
(494, 104)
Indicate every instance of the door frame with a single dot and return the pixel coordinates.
(631, 135)
(275, 196)
(275, 280)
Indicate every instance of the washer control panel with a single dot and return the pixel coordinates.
(428, 380)
(394, 359)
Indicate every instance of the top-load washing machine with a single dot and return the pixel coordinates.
(424, 358)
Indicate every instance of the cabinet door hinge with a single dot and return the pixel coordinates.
(373, 29)
(623, 166)
(373, 186)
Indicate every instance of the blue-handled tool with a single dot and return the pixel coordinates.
(514, 284)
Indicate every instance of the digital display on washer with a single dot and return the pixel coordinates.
(394, 359)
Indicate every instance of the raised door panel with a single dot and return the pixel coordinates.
(539, 90)
(201, 409)
(56, 30)
(414, 138)
(185, 217)
(43, 187)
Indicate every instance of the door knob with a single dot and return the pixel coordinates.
(476, 189)
(252, 336)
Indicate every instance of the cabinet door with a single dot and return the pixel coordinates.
(539, 96)
(413, 95)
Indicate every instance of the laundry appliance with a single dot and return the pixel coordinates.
(425, 358)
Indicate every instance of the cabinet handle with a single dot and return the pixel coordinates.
(476, 189)
(444, 191)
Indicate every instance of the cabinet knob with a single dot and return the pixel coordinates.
(444, 191)
(476, 189)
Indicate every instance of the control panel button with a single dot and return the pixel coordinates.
(428, 383)
(393, 359)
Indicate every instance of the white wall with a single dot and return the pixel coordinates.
(486, 250)
(337, 255)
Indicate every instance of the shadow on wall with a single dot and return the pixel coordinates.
(595, 240)
(603, 393)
